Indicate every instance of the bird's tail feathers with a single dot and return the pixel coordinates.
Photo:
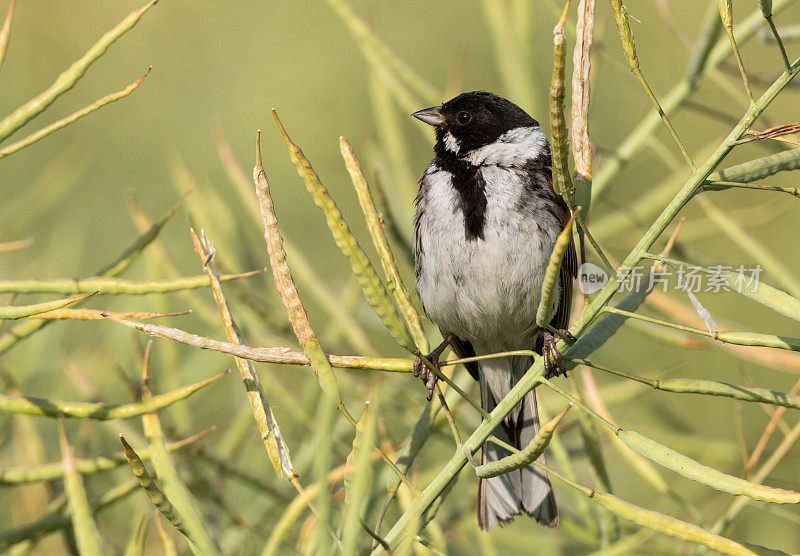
(528, 489)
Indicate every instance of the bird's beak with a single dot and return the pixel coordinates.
(431, 116)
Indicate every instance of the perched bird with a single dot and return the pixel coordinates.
(486, 222)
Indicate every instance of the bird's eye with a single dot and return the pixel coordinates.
(464, 118)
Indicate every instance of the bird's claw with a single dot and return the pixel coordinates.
(553, 364)
(427, 375)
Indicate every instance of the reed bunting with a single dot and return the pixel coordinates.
(486, 221)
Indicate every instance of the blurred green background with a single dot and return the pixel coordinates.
(224, 65)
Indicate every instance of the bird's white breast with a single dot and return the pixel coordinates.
(484, 290)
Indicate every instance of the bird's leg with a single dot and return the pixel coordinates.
(427, 375)
(553, 364)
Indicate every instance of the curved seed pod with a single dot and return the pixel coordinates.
(580, 191)
(67, 80)
(374, 291)
(714, 388)
(768, 296)
(51, 471)
(708, 387)
(359, 483)
(64, 122)
(100, 411)
(97, 314)
(625, 33)
(87, 537)
(388, 263)
(668, 525)
(552, 273)
(759, 168)
(284, 282)
(527, 455)
(558, 126)
(737, 338)
(703, 474)
(276, 448)
(23, 311)
(168, 474)
(754, 339)
(158, 498)
(112, 285)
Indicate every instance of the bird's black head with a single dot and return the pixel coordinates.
(473, 120)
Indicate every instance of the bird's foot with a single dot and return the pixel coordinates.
(427, 375)
(553, 364)
(422, 371)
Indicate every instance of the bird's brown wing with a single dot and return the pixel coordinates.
(569, 271)
(463, 348)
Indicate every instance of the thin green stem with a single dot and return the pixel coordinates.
(588, 410)
(596, 246)
(515, 353)
(726, 13)
(452, 385)
(452, 422)
(659, 322)
(723, 185)
(777, 36)
(558, 333)
(629, 47)
(670, 128)
(737, 338)
(706, 387)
